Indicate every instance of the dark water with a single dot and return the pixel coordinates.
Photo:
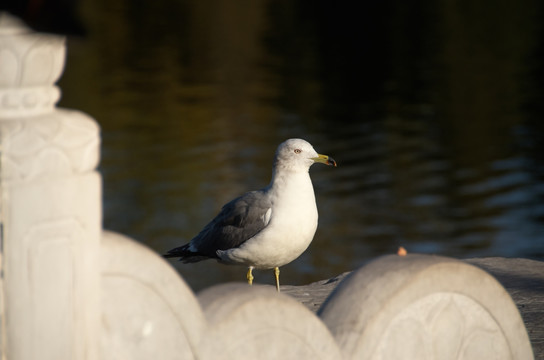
(433, 111)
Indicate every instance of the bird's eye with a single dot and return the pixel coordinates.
(298, 151)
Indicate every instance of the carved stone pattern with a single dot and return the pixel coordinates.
(60, 143)
(52, 250)
(443, 326)
(30, 64)
(28, 101)
(48, 311)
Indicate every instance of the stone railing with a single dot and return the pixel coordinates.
(72, 291)
(411, 307)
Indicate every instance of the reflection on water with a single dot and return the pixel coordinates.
(432, 111)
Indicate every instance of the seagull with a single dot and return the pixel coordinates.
(267, 228)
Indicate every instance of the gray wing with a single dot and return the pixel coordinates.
(238, 221)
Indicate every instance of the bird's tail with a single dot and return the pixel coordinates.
(185, 254)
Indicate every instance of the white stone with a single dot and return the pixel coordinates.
(148, 312)
(424, 307)
(50, 205)
(31, 64)
(56, 144)
(256, 322)
(50, 232)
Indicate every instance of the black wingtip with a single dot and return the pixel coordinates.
(180, 252)
(185, 255)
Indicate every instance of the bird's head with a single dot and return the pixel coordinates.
(298, 154)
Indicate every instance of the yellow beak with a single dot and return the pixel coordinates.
(324, 159)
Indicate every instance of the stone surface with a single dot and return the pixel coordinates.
(524, 281)
(425, 307)
(313, 295)
(258, 323)
(51, 230)
(31, 64)
(522, 278)
(50, 205)
(148, 312)
(60, 143)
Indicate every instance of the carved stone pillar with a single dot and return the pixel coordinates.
(50, 208)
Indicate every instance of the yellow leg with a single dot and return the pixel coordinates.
(250, 275)
(277, 275)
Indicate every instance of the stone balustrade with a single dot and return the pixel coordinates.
(410, 307)
(72, 291)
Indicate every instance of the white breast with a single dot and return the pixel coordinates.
(291, 228)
